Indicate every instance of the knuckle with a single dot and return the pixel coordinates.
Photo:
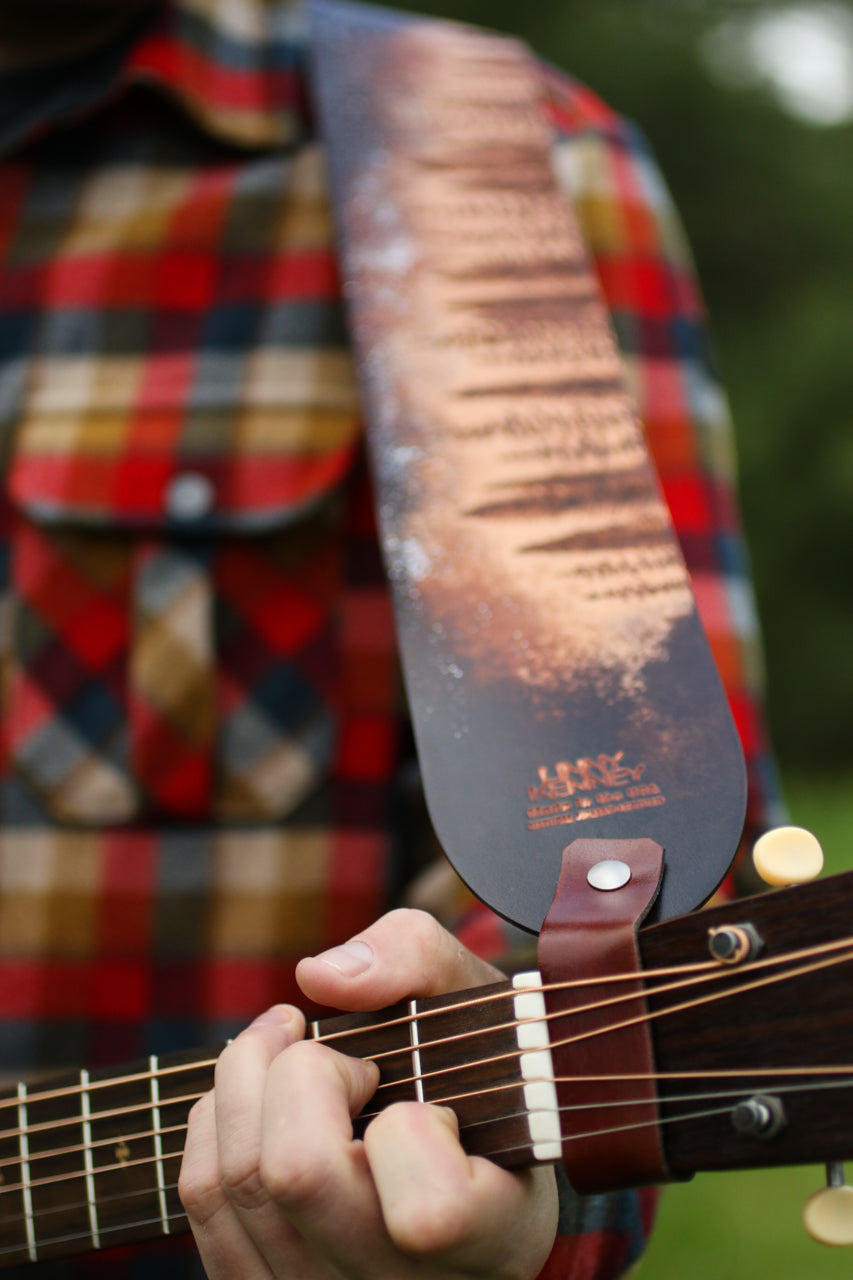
(199, 1190)
(242, 1184)
(395, 1120)
(298, 1181)
(423, 930)
(201, 1197)
(434, 1225)
(308, 1060)
(227, 1055)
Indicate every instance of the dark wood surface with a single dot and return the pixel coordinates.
(803, 1022)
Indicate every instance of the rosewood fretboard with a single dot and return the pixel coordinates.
(90, 1160)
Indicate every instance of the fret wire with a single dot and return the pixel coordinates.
(415, 1051)
(158, 1141)
(474, 1002)
(88, 1162)
(24, 1148)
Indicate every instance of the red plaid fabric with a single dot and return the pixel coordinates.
(203, 730)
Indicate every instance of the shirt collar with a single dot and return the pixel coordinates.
(234, 66)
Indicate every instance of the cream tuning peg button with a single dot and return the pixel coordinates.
(828, 1214)
(788, 855)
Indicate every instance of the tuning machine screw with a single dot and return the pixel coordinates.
(788, 855)
(761, 1116)
(734, 943)
(828, 1213)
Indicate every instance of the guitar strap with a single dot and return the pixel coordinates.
(601, 1044)
(556, 669)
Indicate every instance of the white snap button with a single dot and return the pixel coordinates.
(609, 874)
(189, 496)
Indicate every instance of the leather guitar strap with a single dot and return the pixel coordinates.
(601, 1046)
(555, 665)
(541, 599)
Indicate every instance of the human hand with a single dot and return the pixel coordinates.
(275, 1185)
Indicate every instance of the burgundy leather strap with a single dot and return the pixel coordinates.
(590, 933)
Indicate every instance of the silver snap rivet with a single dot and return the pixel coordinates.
(189, 496)
(609, 874)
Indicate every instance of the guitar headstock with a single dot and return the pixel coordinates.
(754, 1050)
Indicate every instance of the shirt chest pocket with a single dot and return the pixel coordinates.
(175, 628)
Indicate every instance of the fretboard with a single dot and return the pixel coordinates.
(90, 1160)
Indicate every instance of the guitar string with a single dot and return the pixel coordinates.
(142, 1161)
(654, 1122)
(741, 1073)
(767, 979)
(181, 1217)
(86, 1235)
(506, 993)
(719, 972)
(712, 1095)
(475, 1001)
(650, 1016)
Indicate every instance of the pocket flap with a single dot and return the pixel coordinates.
(249, 448)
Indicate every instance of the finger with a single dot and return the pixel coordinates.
(311, 1165)
(405, 953)
(243, 1075)
(225, 1248)
(237, 1224)
(461, 1212)
(240, 1081)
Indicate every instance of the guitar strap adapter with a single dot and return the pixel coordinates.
(601, 1044)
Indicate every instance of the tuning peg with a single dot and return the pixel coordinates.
(828, 1213)
(787, 855)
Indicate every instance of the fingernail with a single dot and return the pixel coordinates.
(278, 1016)
(351, 959)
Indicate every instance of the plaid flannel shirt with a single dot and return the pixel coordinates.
(202, 724)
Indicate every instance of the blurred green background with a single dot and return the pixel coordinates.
(749, 108)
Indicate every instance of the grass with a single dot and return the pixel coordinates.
(747, 1225)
